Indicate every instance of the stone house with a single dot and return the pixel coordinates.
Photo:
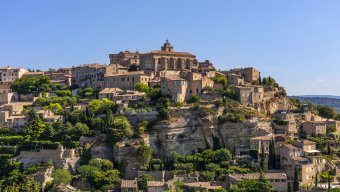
(285, 116)
(196, 81)
(125, 58)
(249, 95)
(236, 80)
(261, 141)
(92, 75)
(6, 96)
(287, 127)
(314, 127)
(206, 67)
(279, 180)
(126, 80)
(156, 186)
(9, 74)
(201, 186)
(176, 87)
(129, 186)
(250, 74)
(118, 94)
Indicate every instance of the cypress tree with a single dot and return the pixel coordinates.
(296, 180)
(316, 181)
(262, 158)
(289, 187)
(328, 149)
(272, 158)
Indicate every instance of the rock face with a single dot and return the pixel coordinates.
(273, 105)
(62, 158)
(186, 132)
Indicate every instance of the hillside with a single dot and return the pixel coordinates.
(332, 101)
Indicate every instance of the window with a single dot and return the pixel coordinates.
(123, 79)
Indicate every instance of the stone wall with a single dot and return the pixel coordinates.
(62, 158)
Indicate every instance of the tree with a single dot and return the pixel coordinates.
(61, 177)
(35, 128)
(142, 181)
(144, 154)
(252, 186)
(262, 160)
(63, 93)
(327, 175)
(326, 111)
(272, 158)
(296, 184)
(119, 129)
(194, 99)
(31, 185)
(80, 129)
(56, 108)
(32, 84)
(289, 187)
(222, 155)
(316, 180)
(142, 87)
(142, 127)
(220, 190)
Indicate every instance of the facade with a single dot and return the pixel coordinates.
(314, 127)
(8, 74)
(279, 180)
(156, 186)
(126, 80)
(262, 141)
(167, 59)
(236, 80)
(129, 186)
(175, 87)
(249, 95)
(92, 75)
(125, 58)
(118, 94)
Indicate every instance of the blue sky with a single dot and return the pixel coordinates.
(296, 42)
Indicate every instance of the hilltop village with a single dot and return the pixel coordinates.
(161, 121)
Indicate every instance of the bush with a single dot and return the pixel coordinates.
(232, 117)
(194, 99)
(11, 140)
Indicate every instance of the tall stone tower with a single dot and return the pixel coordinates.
(167, 46)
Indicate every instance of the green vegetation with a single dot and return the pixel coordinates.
(32, 84)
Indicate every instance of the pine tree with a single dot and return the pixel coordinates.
(296, 180)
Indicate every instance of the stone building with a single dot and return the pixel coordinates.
(126, 80)
(119, 94)
(6, 96)
(236, 80)
(314, 127)
(92, 75)
(250, 74)
(156, 186)
(129, 186)
(261, 141)
(279, 180)
(125, 58)
(8, 75)
(167, 59)
(249, 95)
(175, 87)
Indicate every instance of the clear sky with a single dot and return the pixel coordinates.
(296, 42)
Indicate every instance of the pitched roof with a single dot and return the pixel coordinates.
(110, 90)
(127, 74)
(128, 184)
(265, 137)
(160, 52)
(253, 176)
(155, 183)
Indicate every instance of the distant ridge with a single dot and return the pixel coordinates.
(318, 96)
(330, 100)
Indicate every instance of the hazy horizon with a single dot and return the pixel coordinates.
(295, 42)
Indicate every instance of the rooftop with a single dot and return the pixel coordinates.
(155, 183)
(240, 177)
(128, 184)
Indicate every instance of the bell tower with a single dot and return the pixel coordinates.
(167, 46)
